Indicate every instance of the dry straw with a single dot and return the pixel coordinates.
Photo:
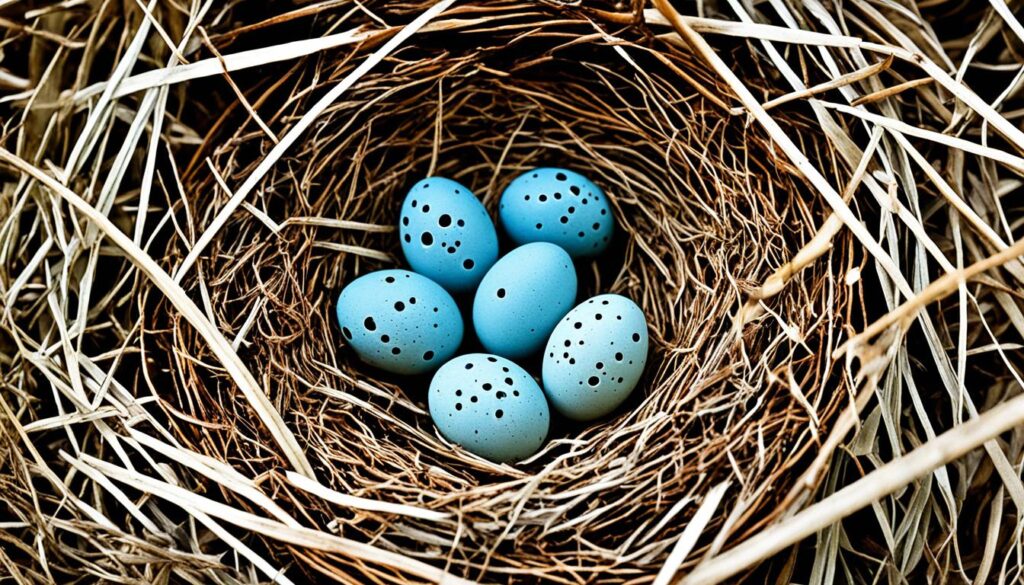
(816, 212)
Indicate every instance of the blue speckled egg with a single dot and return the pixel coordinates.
(595, 357)
(521, 299)
(490, 406)
(446, 234)
(400, 321)
(557, 206)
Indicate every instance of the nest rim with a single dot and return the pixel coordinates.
(509, 489)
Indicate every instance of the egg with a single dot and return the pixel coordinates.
(557, 206)
(400, 321)
(446, 234)
(490, 406)
(521, 299)
(595, 357)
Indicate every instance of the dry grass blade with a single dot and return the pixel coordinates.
(764, 32)
(883, 481)
(264, 409)
(299, 128)
(796, 156)
(870, 176)
(294, 535)
(227, 63)
(689, 537)
(944, 285)
(349, 501)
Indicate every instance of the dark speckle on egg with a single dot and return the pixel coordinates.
(390, 335)
(450, 213)
(522, 298)
(502, 426)
(598, 376)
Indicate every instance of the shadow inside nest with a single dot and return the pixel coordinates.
(704, 210)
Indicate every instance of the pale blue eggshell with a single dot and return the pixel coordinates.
(595, 357)
(400, 321)
(557, 206)
(446, 234)
(521, 299)
(490, 406)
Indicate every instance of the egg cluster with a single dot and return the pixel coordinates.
(522, 304)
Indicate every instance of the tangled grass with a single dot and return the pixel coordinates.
(174, 236)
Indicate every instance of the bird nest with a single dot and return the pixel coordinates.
(738, 388)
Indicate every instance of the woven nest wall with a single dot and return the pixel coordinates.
(707, 210)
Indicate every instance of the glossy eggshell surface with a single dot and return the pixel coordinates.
(557, 206)
(446, 234)
(400, 321)
(521, 299)
(595, 357)
(490, 406)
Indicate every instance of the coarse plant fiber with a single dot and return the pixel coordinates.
(705, 211)
(179, 406)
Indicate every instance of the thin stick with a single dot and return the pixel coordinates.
(841, 81)
(891, 91)
(940, 287)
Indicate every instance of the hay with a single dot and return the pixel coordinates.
(184, 393)
(700, 227)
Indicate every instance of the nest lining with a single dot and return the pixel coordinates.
(705, 212)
